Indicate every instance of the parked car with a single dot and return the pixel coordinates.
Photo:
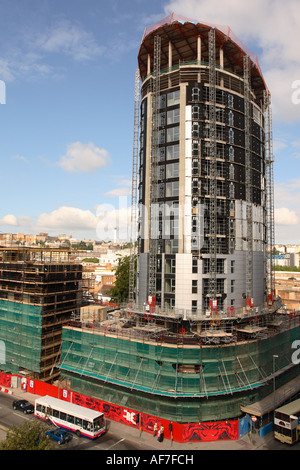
(23, 405)
(59, 435)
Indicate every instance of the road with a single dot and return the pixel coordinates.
(109, 441)
(121, 438)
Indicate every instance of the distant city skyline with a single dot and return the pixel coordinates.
(67, 117)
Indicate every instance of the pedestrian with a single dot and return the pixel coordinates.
(155, 429)
(160, 436)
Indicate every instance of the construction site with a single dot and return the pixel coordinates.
(203, 337)
(40, 290)
(203, 342)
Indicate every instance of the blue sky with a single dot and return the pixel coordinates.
(67, 122)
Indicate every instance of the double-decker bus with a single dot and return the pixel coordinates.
(286, 423)
(78, 419)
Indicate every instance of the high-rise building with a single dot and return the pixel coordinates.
(203, 347)
(40, 290)
(205, 189)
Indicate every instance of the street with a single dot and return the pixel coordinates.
(120, 438)
(109, 441)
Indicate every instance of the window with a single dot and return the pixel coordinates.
(232, 286)
(232, 266)
(62, 416)
(195, 130)
(231, 153)
(170, 286)
(173, 152)
(173, 134)
(78, 422)
(195, 148)
(230, 118)
(171, 246)
(231, 172)
(195, 266)
(230, 101)
(170, 266)
(70, 419)
(195, 112)
(172, 189)
(231, 136)
(172, 170)
(194, 306)
(194, 286)
(231, 190)
(195, 94)
(195, 168)
(173, 116)
(173, 98)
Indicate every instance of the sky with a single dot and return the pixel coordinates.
(67, 73)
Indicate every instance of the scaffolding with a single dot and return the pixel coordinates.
(213, 166)
(248, 181)
(133, 228)
(146, 360)
(154, 170)
(40, 289)
(269, 159)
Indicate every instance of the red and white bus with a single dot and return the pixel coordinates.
(78, 419)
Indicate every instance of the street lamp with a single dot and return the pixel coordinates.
(274, 357)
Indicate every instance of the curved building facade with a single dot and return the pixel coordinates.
(202, 170)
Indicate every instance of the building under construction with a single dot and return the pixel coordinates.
(40, 290)
(202, 337)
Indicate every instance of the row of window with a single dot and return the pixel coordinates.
(68, 418)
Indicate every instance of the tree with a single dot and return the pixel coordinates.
(120, 291)
(30, 436)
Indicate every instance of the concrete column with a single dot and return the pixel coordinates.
(199, 55)
(170, 62)
(199, 48)
(149, 65)
(221, 56)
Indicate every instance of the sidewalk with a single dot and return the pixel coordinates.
(253, 442)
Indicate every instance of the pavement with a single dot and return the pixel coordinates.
(248, 442)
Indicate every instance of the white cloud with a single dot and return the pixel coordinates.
(123, 190)
(83, 158)
(27, 54)
(113, 223)
(285, 216)
(9, 219)
(20, 158)
(67, 218)
(69, 39)
(270, 28)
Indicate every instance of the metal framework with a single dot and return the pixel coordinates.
(213, 165)
(133, 234)
(154, 160)
(248, 169)
(269, 159)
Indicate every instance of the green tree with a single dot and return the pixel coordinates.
(30, 436)
(120, 291)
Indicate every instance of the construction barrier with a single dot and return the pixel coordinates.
(179, 432)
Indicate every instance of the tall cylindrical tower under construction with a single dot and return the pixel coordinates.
(205, 171)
